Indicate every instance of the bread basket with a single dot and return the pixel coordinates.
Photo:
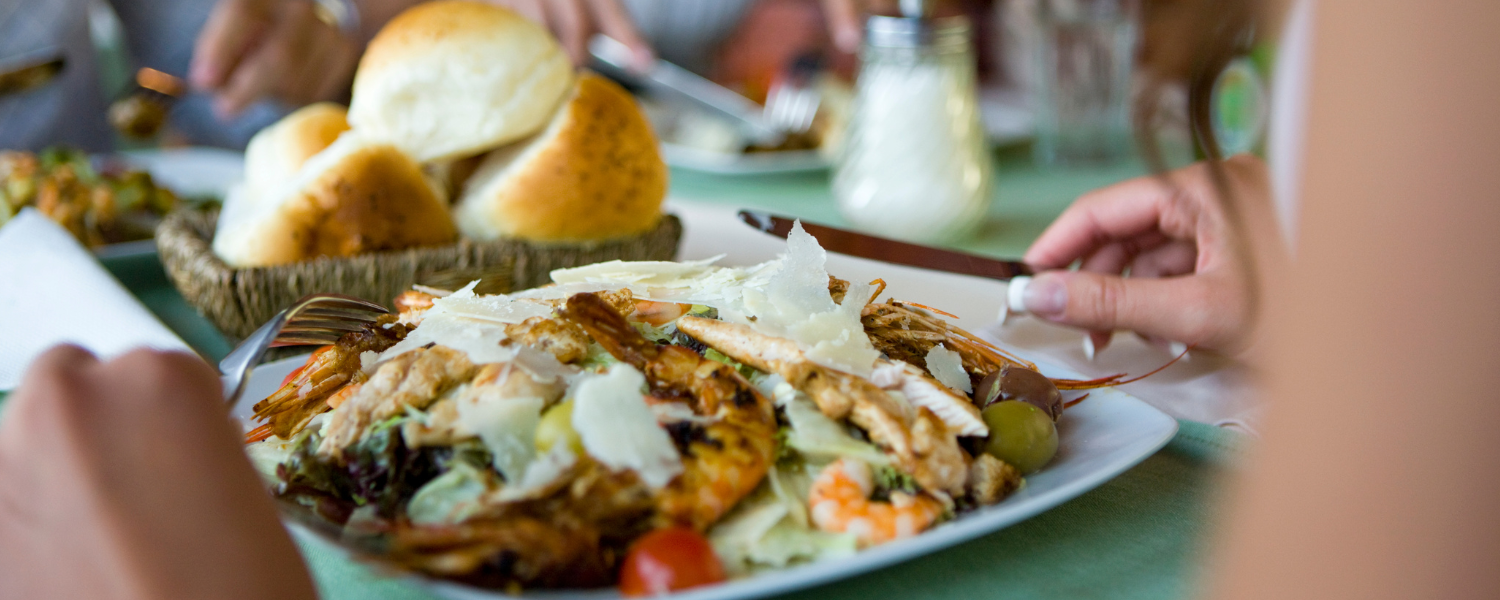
(239, 300)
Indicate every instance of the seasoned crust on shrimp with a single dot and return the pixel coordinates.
(572, 533)
(918, 440)
(414, 379)
(730, 456)
(551, 334)
(563, 340)
(492, 382)
(300, 399)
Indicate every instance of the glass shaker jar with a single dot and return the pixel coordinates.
(915, 164)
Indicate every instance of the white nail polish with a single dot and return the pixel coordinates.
(1088, 347)
(1177, 348)
(1015, 294)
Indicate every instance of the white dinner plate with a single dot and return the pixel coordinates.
(1100, 438)
(193, 172)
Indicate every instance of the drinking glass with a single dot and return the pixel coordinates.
(1084, 62)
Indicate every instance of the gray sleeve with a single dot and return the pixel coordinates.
(71, 108)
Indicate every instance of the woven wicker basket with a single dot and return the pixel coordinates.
(238, 301)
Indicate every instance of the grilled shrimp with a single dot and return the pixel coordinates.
(840, 502)
(572, 533)
(921, 389)
(414, 378)
(921, 443)
(562, 339)
(724, 459)
(494, 380)
(330, 370)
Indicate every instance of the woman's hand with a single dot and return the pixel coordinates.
(126, 479)
(574, 22)
(1162, 261)
(251, 50)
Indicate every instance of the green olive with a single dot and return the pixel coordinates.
(1021, 435)
(557, 426)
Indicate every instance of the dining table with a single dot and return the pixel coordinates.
(1145, 534)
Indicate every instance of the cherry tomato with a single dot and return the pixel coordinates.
(667, 560)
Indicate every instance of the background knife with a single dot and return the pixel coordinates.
(667, 79)
(888, 250)
(30, 71)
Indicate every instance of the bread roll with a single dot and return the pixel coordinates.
(355, 196)
(453, 78)
(594, 173)
(277, 152)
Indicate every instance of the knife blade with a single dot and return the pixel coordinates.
(670, 80)
(30, 71)
(888, 250)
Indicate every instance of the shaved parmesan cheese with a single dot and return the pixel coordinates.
(496, 308)
(799, 289)
(546, 469)
(618, 428)
(948, 367)
(469, 323)
(836, 339)
(481, 341)
(507, 426)
(645, 272)
(543, 367)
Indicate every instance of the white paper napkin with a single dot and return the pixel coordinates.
(52, 291)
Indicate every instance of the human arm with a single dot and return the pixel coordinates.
(126, 479)
(1376, 476)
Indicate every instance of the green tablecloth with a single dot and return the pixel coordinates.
(1137, 536)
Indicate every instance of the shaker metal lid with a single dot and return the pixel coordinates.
(904, 32)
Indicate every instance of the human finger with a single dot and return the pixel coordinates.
(614, 21)
(226, 37)
(264, 73)
(1115, 256)
(1118, 212)
(1175, 258)
(1190, 309)
(844, 25)
(570, 21)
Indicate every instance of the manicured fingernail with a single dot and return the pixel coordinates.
(1177, 348)
(1088, 347)
(1046, 296)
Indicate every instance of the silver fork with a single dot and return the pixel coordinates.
(792, 101)
(315, 320)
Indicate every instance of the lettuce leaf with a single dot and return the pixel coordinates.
(452, 497)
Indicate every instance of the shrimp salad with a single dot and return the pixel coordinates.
(594, 431)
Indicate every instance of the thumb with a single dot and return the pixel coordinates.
(1182, 309)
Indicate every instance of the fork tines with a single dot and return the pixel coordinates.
(323, 320)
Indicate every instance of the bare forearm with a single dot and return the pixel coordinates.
(1376, 478)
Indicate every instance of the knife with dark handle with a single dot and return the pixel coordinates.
(30, 71)
(888, 250)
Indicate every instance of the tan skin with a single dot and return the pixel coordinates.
(126, 479)
(1377, 475)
